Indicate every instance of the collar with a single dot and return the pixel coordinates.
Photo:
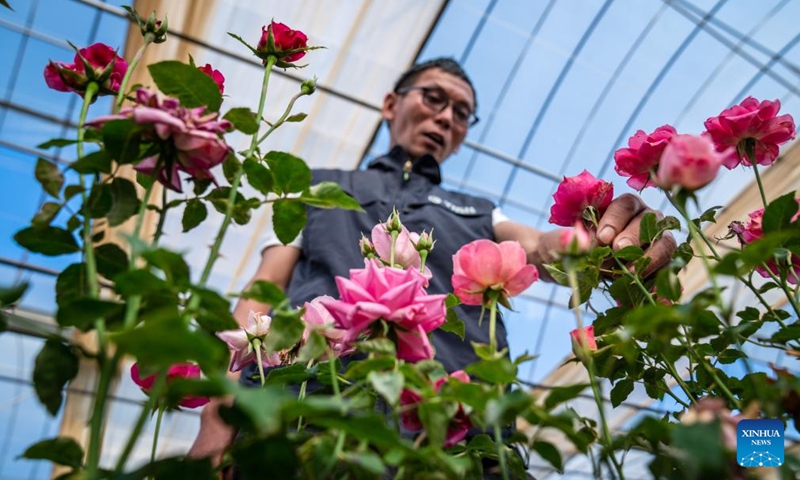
(425, 165)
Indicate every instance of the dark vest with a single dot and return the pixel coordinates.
(330, 240)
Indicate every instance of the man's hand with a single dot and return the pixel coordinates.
(215, 436)
(619, 228)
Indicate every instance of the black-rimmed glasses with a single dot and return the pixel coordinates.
(437, 100)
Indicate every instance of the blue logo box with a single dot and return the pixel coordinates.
(759, 443)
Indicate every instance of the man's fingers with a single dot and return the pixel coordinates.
(615, 220)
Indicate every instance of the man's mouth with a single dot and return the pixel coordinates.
(435, 138)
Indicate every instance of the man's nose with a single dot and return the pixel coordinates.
(445, 117)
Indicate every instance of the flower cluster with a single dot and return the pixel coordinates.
(189, 138)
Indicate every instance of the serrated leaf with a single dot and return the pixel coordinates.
(497, 371)
(124, 201)
(453, 324)
(263, 291)
(778, 214)
(214, 311)
(111, 260)
(230, 167)
(46, 213)
(55, 365)
(49, 176)
(193, 214)
(547, 451)
(313, 348)
(258, 176)
(83, 312)
(387, 384)
(50, 241)
(99, 161)
(710, 214)
(647, 228)
(243, 119)
(380, 346)
(629, 253)
(56, 143)
(621, 391)
(329, 195)
(291, 174)
(61, 450)
(72, 190)
(99, 202)
(191, 86)
(297, 117)
(288, 219)
(293, 374)
(122, 139)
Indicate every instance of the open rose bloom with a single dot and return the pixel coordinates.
(483, 266)
(240, 341)
(181, 370)
(97, 63)
(690, 162)
(318, 319)
(193, 138)
(642, 156)
(575, 194)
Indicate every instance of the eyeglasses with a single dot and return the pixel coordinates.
(438, 101)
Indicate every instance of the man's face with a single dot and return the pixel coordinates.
(421, 129)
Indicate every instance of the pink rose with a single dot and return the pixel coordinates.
(576, 194)
(690, 162)
(181, 370)
(459, 423)
(484, 265)
(754, 125)
(215, 75)
(394, 295)
(413, 345)
(192, 138)
(583, 337)
(241, 342)
(753, 231)
(575, 241)
(642, 156)
(405, 254)
(97, 63)
(319, 319)
(286, 41)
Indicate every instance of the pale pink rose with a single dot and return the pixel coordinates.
(391, 294)
(642, 156)
(575, 241)
(192, 138)
(215, 75)
(97, 63)
(583, 337)
(753, 231)
(319, 319)
(241, 342)
(690, 162)
(484, 265)
(405, 254)
(459, 423)
(753, 122)
(179, 371)
(576, 194)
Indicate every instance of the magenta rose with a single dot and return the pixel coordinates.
(690, 162)
(642, 156)
(179, 371)
(753, 231)
(753, 126)
(483, 265)
(459, 423)
(192, 138)
(288, 43)
(97, 63)
(576, 194)
(215, 75)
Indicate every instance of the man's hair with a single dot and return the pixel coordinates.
(447, 65)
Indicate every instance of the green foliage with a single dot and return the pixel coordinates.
(258, 175)
(329, 195)
(50, 241)
(60, 450)
(55, 365)
(243, 119)
(186, 83)
(193, 214)
(291, 174)
(289, 218)
(50, 177)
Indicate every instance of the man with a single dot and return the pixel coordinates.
(429, 112)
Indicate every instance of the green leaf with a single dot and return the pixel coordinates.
(56, 364)
(193, 214)
(559, 395)
(313, 348)
(360, 369)
(10, 295)
(258, 176)
(370, 427)
(263, 291)
(95, 162)
(647, 228)
(252, 455)
(243, 119)
(83, 312)
(453, 324)
(367, 460)
(139, 282)
(297, 117)
(620, 392)
(61, 450)
(291, 174)
(498, 371)
(380, 346)
(56, 143)
(710, 214)
(230, 167)
(778, 214)
(50, 241)
(214, 313)
(547, 451)
(71, 284)
(99, 202)
(164, 343)
(111, 260)
(387, 384)
(122, 139)
(787, 334)
(329, 195)
(629, 253)
(172, 264)
(180, 467)
(49, 176)
(284, 331)
(124, 201)
(46, 213)
(288, 218)
(72, 190)
(191, 86)
(294, 374)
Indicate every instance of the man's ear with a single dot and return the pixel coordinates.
(389, 106)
